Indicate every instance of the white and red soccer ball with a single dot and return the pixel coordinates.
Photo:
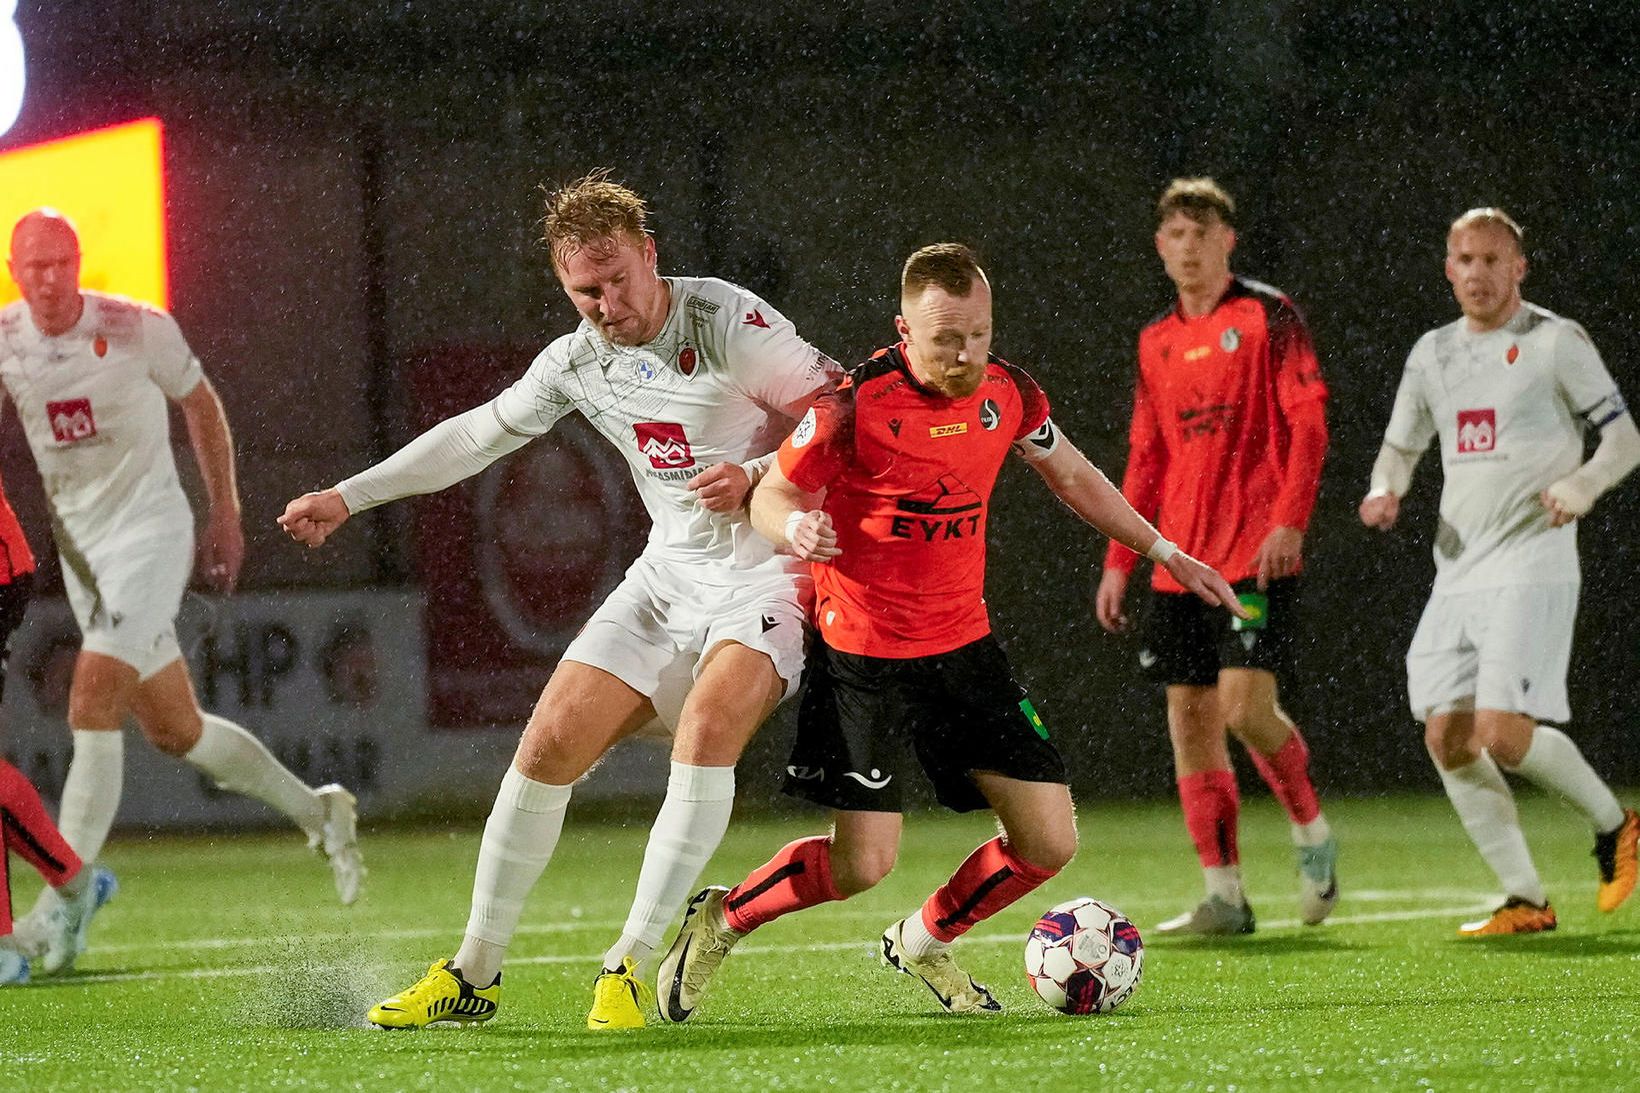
(1084, 956)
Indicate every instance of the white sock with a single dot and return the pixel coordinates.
(1224, 881)
(240, 763)
(1487, 808)
(91, 792)
(519, 838)
(915, 939)
(1554, 762)
(687, 832)
(1314, 833)
(75, 885)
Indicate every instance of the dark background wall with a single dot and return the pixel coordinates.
(352, 184)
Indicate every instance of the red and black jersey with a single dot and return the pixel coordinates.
(1229, 430)
(908, 474)
(15, 556)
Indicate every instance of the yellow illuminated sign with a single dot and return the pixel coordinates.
(111, 183)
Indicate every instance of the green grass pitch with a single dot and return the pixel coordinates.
(224, 964)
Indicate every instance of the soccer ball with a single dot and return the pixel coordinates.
(1084, 956)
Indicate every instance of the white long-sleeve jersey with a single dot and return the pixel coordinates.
(1510, 407)
(723, 381)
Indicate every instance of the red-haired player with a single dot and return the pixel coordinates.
(905, 671)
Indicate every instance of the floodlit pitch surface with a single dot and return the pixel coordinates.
(224, 964)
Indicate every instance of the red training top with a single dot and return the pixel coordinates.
(1229, 430)
(908, 474)
(15, 556)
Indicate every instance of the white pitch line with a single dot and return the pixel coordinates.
(422, 933)
(814, 947)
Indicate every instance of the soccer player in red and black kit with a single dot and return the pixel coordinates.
(1229, 433)
(906, 452)
(26, 828)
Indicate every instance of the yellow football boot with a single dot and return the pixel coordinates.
(440, 995)
(1516, 916)
(618, 999)
(1616, 852)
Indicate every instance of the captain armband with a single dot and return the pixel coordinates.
(1040, 442)
(1604, 412)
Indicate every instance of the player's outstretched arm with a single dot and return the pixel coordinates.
(454, 449)
(1093, 497)
(312, 517)
(791, 518)
(222, 543)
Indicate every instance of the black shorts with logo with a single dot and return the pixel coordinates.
(1183, 640)
(862, 720)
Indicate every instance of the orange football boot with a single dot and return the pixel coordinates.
(1516, 916)
(1616, 852)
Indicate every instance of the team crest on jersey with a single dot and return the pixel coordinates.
(71, 420)
(665, 443)
(1477, 431)
(1513, 355)
(1230, 340)
(99, 346)
(990, 415)
(687, 359)
(805, 429)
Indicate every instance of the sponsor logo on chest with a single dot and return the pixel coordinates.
(665, 443)
(1477, 431)
(71, 420)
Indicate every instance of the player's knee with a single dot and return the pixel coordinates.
(94, 708)
(174, 734)
(860, 868)
(1449, 750)
(1050, 850)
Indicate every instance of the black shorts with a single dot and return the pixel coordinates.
(860, 719)
(1183, 640)
(13, 603)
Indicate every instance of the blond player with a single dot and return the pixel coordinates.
(1509, 391)
(692, 380)
(91, 375)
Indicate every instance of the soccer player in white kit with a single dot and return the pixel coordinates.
(1509, 390)
(706, 630)
(90, 375)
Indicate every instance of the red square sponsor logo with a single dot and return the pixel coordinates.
(71, 420)
(664, 443)
(1477, 430)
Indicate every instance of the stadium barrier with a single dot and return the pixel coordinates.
(334, 683)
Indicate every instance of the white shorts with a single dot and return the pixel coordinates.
(654, 628)
(126, 602)
(1495, 648)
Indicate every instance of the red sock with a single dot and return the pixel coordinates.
(1287, 773)
(29, 832)
(1211, 805)
(992, 878)
(798, 876)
